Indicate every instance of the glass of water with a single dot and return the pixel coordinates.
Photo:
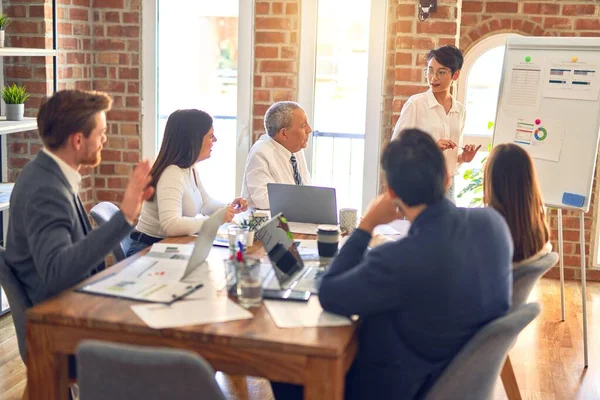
(249, 284)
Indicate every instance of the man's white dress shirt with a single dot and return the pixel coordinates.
(269, 162)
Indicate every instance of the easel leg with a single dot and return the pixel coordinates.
(583, 285)
(561, 264)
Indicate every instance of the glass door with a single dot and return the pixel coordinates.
(342, 67)
(203, 60)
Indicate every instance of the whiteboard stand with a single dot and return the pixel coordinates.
(583, 277)
(583, 284)
(561, 264)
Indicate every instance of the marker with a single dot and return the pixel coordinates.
(527, 59)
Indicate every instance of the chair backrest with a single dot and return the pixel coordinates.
(125, 372)
(102, 213)
(17, 299)
(473, 373)
(526, 276)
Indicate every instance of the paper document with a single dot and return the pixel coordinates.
(523, 87)
(295, 314)
(186, 313)
(541, 137)
(149, 290)
(395, 228)
(303, 228)
(576, 80)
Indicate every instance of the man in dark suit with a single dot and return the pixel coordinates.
(50, 244)
(420, 299)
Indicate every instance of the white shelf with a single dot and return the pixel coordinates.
(20, 51)
(4, 189)
(27, 124)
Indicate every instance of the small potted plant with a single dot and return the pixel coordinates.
(4, 21)
(252, 225)
(14, 96)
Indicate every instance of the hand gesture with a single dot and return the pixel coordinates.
(137, 191)
(240, 204)
(469, 152)
(229, 213)
(445, 144)
(382, 210)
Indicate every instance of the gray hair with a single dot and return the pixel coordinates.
(279, 116)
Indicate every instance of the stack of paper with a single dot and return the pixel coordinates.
(186, 313)
(295, 314)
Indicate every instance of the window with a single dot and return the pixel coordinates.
(341, 74)
(201, 58)
(478, 88)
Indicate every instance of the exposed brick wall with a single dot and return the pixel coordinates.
(276, 51)
(116, 70)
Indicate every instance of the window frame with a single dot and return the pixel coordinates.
(471, 57)
(149, 101)
(376, 74)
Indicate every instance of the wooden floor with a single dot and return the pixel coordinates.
(547, 358)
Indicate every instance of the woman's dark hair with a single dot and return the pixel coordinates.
(510, 186)
(415, 168)
(449, 56)
(182, 141)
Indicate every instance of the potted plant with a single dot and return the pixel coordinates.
(14, 96)
(4, 21)
(475, 178)
(252, 224)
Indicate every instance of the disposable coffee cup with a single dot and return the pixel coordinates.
(328, 237)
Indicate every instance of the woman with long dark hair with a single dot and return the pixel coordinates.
(510, 187)
(180, 204)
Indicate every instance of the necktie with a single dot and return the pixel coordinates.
(297, 177)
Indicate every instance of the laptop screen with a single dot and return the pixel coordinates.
(277, 239)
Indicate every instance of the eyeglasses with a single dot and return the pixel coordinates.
(440, 73)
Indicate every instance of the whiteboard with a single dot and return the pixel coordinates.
(548, 104)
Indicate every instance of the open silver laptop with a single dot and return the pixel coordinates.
(202, 246)
(307, 204)
(290, 270)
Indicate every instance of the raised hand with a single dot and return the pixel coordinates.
(137, 191)
(469, 152)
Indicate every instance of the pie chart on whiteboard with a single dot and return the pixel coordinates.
(540, 134)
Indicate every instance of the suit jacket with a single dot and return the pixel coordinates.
(420, 298)
(50, 244)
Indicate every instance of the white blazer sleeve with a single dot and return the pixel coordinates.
(258, 175)
(169, 197)
(408, 119)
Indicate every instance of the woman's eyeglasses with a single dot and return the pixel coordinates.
(440, 73)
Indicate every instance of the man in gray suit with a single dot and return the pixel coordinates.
(50, 244)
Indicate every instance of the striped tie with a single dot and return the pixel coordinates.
(297, 176)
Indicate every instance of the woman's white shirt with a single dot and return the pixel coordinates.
(180, 206)
(422, 111)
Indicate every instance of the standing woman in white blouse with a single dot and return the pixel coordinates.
(180, 204)
(438, 113)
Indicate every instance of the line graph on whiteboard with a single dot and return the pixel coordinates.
(542, 139)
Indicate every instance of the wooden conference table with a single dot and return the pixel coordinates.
(317, 358)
